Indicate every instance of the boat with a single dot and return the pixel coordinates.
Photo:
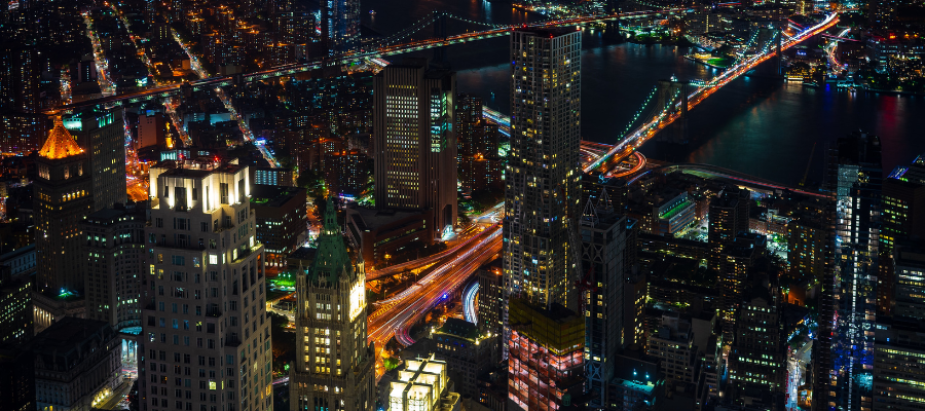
(372, 12)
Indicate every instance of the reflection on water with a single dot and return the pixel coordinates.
(759, 126)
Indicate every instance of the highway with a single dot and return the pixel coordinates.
(435, 288)
(426, 261)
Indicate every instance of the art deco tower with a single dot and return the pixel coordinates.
(334, 365)
(206, 336)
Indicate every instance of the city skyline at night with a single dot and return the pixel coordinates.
(542, 205)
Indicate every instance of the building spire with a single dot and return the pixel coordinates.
(331, 258)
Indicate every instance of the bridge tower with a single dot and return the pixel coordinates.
(670, 92)
(440, 33)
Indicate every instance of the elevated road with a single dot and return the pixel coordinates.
(750, 181)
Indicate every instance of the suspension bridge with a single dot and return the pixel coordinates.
(390, 46)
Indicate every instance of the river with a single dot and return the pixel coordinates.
(758, 126)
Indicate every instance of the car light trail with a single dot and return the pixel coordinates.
(470, 310)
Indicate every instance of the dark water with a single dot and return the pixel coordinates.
(759, 126)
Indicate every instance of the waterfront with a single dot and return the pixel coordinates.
(759, 126)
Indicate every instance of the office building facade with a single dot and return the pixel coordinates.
(546, 356)
(114, 251)
(77, 365)
(414, 141)
(281, 220)
(62, 198)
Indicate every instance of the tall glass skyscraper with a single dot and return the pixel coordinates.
(340, 25)
(856, 177)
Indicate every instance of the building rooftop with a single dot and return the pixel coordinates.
(107, 215)
(555, 327)
(273, 196)
(60, 143)
(460, 328)
(372, 219)
(66, 343)
(551, 32)
(199, 167)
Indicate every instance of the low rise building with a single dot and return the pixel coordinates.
(673, 345)
(467, 353)
(423, 386)
(382, 235)
(77, 365)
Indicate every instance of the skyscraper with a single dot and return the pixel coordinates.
(603, 248)
(340, 25)
(76, 177)
(542, 178)
(334, 364)
(728, 217)
(903, 217)
(855, 176)
(103, 136)
(479, 164)
(62, 198)
(114, 251)
(204, 323)
(414, 141)
(756, 357)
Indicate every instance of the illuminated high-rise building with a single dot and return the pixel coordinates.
(334, 363)
(903, 217)
(414, 141)
(78, 175)
(479, 164)
(855, 176)
(205, 330)
(756, 358)
(340, 25)
(62, 198)
(728, 217)
(542, 177)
